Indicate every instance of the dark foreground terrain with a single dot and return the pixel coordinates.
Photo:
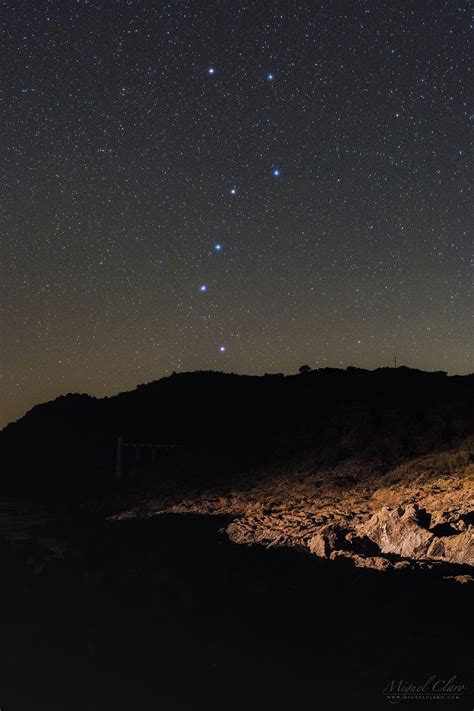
(166, 613)
(308, 543)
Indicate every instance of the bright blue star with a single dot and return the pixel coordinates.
(211, 70)
(217, 247)
(276, 172)
(270, 77)
(222, 349)
(233, 191)
(203, 288)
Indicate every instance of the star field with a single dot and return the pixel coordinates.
(244, 186)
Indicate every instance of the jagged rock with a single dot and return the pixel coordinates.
(463, 579)
(318, 545)
(398, 531)
(281, 511)
(330, 537)
(454, 549)
(403, 565)
(362, 561)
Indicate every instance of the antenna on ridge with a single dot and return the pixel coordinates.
(395, 362)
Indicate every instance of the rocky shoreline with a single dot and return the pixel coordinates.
(415, 516)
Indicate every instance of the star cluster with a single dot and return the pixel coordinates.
(247, 186)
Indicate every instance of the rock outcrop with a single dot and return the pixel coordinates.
(415, 516)
(398, 531)
(401, 531)
(329, 538)
(454, 549)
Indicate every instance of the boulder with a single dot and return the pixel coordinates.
(330, 537)
(454, 549)
(398, 531)
(403, 531)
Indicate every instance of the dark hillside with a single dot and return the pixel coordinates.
(231, 422)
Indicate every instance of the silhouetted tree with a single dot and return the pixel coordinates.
(304, 369)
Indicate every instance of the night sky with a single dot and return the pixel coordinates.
(241, 186)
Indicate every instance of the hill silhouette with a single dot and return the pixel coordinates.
(224, 423)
